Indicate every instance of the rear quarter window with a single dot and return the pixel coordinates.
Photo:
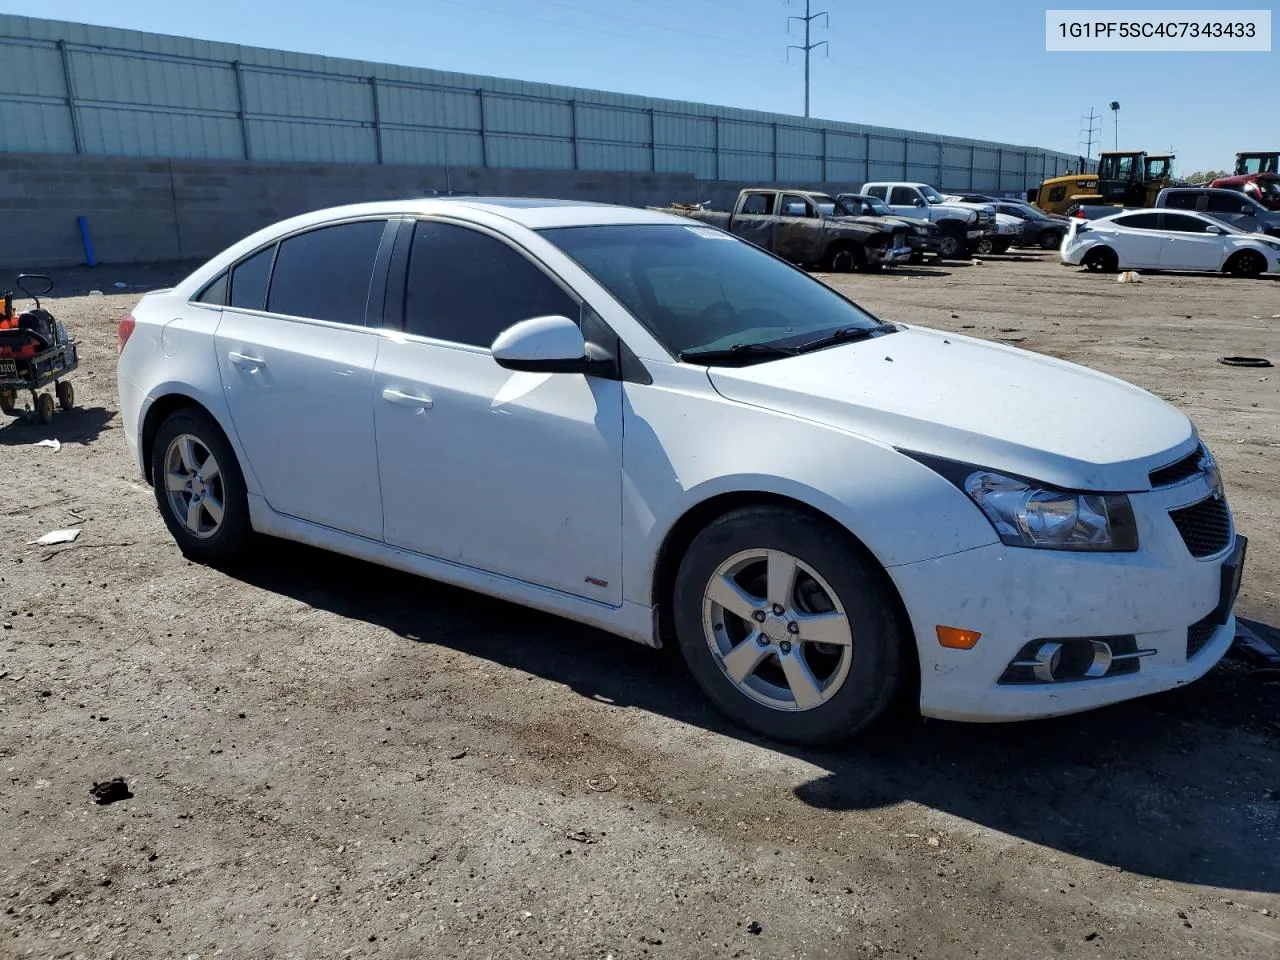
(249, 280)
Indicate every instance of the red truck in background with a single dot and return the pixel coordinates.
(1257, 175)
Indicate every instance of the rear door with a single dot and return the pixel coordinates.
(1187, 246)
(1138, 243)
(296, 360)
(798, 235)
(756, 218)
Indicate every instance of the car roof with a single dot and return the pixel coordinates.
(1206, 217)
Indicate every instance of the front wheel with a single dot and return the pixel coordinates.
(1050, 240)
(843, 259)
(786, 626)
(1246, 263)
(1000, 246)
(8, 402)
(952, 245)
(984, 246)
(199, 487)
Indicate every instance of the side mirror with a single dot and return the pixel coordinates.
(542, 345)
(1246, 209)
(918, 202)
(1212, 229)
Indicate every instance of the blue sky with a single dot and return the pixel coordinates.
(976, 69)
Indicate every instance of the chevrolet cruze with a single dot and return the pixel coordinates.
(645, 424)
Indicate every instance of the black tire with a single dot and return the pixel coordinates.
(66, 394)
(1246, 263)
(1050, 240)
(1000, 246)
(875, 658)
(844, 258)
(984, 246)
(234, 532)
(44, 408)
(916, 258)
(953, 243)
(1101, 260)
(8, 402)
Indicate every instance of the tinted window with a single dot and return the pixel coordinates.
(695, 288)
(324, 274)
(903, 197)
(215, 292)
(1181, 223)
(249, 280)
(1140, 221)
(758, 203)
(1181, 201)
(467, 287)
(878, 192)
(1057, 193)
(1220, 203)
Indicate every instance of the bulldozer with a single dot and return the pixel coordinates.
(1126, 178)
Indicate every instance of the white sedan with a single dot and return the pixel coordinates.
(647, 425)
(1160, 239)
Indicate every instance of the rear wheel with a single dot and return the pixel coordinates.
(8, 402)
(984, 246)
(1050, 240)
(786, 626)
(1101, 260)
(1246, 263)
(66, 394)
(199, 487)
(44, 408)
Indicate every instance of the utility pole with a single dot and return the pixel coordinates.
(807, 19)
(1090, 134)
(1115, 113)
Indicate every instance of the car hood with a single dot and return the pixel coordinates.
(977, 402)
(883, 224)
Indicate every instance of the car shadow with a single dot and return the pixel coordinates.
(78, 425)
(1179, 786)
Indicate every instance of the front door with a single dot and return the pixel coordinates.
(513, 473)
(1187, 246)
(296, 361)
(798, 235)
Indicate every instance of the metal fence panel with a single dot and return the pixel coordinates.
(138, 94)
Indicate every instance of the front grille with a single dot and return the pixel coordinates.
(1198, 635)
(1176, 472)
(1205, 526)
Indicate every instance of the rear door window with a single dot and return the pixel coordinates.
(249, 280)
(324, 274)
(1181, 223)
(1181, 201)
(1140, 221)
(878, 192)
(466, 287)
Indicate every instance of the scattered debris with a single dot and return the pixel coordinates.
(1129, 276)
(654, 941)
(1092, 935)
(56, 536)
(110, 791)
(1257, 643)
(601, 783)
(580, 836)
(754, 928)
(95, 293)
(54, 445)
(453, 756)
(933, 841)
(1245, 361)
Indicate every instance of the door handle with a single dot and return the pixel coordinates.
(252, 364)
(401, 399)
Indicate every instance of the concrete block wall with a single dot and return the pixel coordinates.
(143, 211)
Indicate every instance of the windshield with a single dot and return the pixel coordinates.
(932, 195)
(698, 288)
(865, 206)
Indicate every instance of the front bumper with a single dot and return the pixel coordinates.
(887, 255)
(1014, 596)
(980, 230)
(925, 244)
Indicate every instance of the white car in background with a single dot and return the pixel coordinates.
(648, 425)
(1161, 239)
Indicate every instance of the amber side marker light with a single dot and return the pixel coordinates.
(956, 638)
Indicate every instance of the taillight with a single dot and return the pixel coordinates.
(125, 331)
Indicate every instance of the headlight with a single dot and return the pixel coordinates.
(1028, 514)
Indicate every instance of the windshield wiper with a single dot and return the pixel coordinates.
(844, 335)
(738, 352)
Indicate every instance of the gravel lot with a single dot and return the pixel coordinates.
(329, 759)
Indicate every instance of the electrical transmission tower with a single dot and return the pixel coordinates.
(808, 47)
(1090, 134)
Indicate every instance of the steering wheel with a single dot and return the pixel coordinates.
(722, 311)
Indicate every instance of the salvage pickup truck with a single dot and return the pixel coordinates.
(808, 229)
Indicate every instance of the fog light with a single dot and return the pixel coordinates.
(1074, 658)
(1046, 663)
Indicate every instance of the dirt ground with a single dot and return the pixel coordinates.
(328, 759)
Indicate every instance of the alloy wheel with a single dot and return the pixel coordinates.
(193, 484)
(777, 630)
